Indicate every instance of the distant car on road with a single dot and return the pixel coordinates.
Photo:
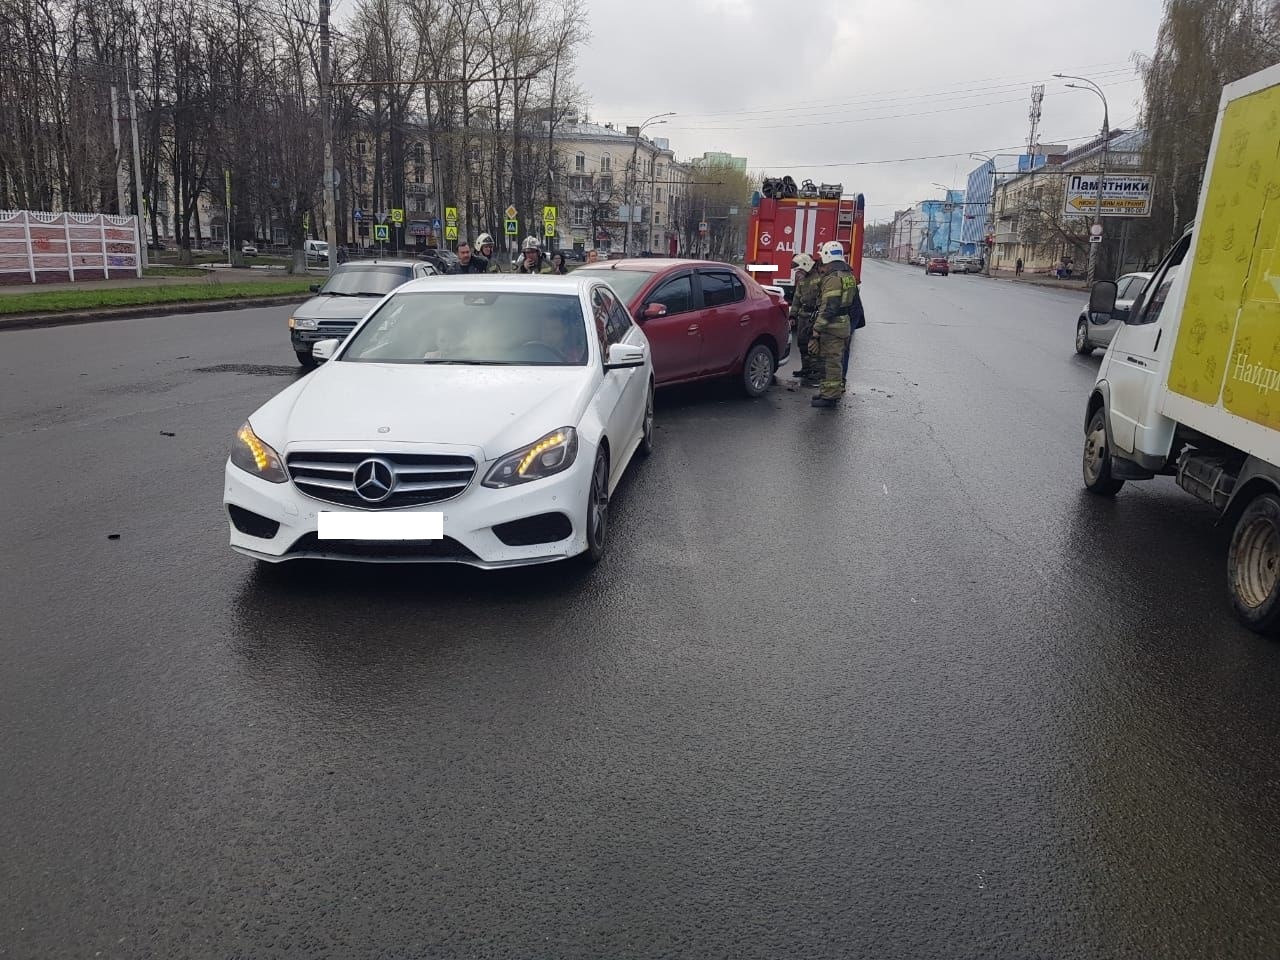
(1097, 330)
(481, 420)
(937, 265)
(703, 319)
(343, 300)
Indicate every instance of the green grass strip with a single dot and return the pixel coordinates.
(78, 300)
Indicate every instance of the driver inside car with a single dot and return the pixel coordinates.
(564, 335)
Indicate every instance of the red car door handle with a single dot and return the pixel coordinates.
(693, 328)
(745, 320)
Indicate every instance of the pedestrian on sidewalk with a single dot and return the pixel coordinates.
(1017, 267)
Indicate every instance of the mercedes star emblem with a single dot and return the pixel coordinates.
(374, 480)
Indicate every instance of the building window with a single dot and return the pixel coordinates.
(361, 148)
(362, 175)
(580, 163)
(419, 174)
(606, 164)
(579, 183)
(579, 214)
(419, 154)
(659, 173)
(606, 185)
(657, 194)
(648, 168)
(657, 218)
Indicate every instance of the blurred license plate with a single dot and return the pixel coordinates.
(331, 525)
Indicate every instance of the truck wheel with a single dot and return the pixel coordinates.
(1097, 458)
(1083, 346)
(1253, 565)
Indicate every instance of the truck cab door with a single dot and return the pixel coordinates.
(1132, 370)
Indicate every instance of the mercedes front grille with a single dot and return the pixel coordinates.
(380, 480)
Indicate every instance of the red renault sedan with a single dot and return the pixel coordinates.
(703, 319)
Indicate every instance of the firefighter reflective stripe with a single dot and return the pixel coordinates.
(811, 232)
(797, 236)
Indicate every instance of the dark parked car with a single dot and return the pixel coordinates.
(703, 319)
(350, 292)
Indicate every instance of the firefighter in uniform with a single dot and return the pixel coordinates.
(804, 310)
(534, 261)
(831, 329)
(484, 243)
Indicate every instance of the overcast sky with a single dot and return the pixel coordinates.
(807, 89)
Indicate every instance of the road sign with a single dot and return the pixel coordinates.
(1095, 230)
(702, 227)
(451, 214)
(1095, 239)
(511, 213)
(397, 215)
(548, 214)
(382, 233)
(382, 216)
(358, 214)
(451, 232)
(512, 228)
(1122, 196)
(436, 223)
(550, 228)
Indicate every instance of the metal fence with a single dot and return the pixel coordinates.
(40, 247)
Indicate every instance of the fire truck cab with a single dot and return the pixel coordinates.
(786, 220)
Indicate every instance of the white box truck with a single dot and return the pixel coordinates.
(1190, 385)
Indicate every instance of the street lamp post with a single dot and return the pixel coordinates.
(1106, 142)
(631, 174)
(946, 202)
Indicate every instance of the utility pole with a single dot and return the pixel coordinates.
(631, 175)
(122, 207)
(330, 202)
(140, 205)
(1106, 142)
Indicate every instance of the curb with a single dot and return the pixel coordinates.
(37, 320)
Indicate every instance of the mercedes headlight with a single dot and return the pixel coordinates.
(549, 455)
(302, 323)
(253, 456)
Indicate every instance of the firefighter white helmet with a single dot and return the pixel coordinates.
(484, 240)
(802, 261)
(831, 252)
(531, 243)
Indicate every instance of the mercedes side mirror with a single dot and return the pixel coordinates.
(1102, 298)
(654, 310)
(325, 349)
(622, 356)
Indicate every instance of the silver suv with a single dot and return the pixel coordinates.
(342, 301)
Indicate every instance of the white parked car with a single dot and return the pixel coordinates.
(478, 419)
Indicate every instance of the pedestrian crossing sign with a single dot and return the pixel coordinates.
(451, 232)
(381, 232)
(549, 214)
(512, 228)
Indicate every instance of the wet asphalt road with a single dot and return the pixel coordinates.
(882, 682)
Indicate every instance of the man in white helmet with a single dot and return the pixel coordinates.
(834, 322)
(533, 261)
(804, 310)
(485, 247)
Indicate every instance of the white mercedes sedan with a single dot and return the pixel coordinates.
(476, 419)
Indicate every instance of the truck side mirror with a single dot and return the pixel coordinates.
(1102, 298)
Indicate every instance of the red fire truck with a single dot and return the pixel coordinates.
(786, 220)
